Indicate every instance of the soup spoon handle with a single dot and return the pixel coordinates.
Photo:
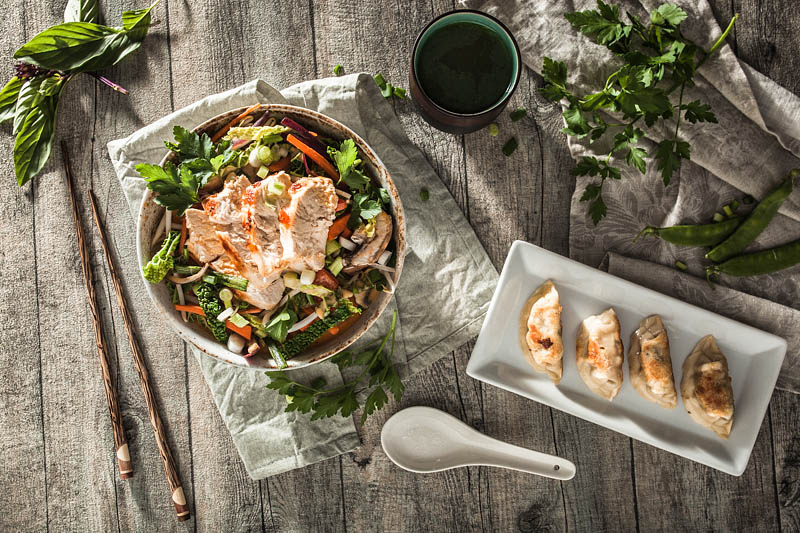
(492, 452)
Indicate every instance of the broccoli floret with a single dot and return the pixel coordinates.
(344, 310)
(209, 300)
(162, 262)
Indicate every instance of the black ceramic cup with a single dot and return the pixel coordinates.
(449, 120)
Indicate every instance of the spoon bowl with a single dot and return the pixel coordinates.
(423, 440)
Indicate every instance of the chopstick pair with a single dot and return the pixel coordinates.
(120, 443)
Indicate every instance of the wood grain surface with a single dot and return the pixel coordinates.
(56, 444)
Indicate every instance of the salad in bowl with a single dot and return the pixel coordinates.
(270, 236)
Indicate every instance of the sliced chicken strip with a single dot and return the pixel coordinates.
(262, 293)
(225, 207)
(202, 241)
(305, 223)
(261, 209)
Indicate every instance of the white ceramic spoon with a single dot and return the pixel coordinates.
(424, 439)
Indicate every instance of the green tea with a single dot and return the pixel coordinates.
(465, 67)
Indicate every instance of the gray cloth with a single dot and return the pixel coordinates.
(750, 151)
(443, 293)
(752, 310)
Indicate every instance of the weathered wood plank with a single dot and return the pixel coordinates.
(143, 500)
(372, 484)
(79, 446)
(22, 481)
(786, 449)
(506, 203)
(673, 493)
(765, 38)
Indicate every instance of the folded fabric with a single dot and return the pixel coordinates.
(757, 312)
(749, 151)
(446, 268)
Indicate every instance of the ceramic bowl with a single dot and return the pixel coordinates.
(150, 215)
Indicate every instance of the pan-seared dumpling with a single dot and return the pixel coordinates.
(650, 363)
(541, 331)
(600, 354)
(706, 387)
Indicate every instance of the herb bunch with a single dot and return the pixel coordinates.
(657, 60)
(51, 59)
(378, 372)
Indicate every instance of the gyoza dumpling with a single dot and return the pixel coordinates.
(650, 363)
(541, 331)
(600, 355)
(706, 387)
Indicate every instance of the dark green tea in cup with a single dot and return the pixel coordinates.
(464, 69)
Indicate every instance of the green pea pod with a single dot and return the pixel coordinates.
(752, 227)
(693, 235)
(763, 262)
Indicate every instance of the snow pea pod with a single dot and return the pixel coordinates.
(762, 262)
(693, 235)
(752, 227)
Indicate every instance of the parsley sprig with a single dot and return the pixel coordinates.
(178, 186)
(657, 60)
(378, 372)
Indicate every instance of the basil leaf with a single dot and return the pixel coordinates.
(137, 22)
(51, 85)
(8, 98)
(29, 96)
(81, 11)
(35, 139)
(85, 46)
(68, 46)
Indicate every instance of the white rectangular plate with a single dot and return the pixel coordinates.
(754, 357)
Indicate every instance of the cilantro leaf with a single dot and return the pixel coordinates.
(668, 155)
(576, 122)
(175, 188)
(635, 158)
(365, 208)
(587, 166)
(189, 144)
(598, 210)
(696, 111)
(669, 14)
(342, 400)
(375, 401)
(603, 24)
(346, 160)
(555, 77)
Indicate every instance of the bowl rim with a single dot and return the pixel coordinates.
(208, 347)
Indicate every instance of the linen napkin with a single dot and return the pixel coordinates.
(751, 149)
(446, 268)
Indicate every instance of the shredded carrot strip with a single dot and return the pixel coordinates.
(338, 226)
(196, 309)
(183, 236)
(221, 133)
(245, 332)
(280, 164)
(313, 154)
(251, 311)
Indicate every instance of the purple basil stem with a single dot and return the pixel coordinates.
(261, 120)
(305, 164)
(305, 136)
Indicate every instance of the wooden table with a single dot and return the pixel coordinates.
(56, 448)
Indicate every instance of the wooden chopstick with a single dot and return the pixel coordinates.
(120, 442)
(175, 487)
